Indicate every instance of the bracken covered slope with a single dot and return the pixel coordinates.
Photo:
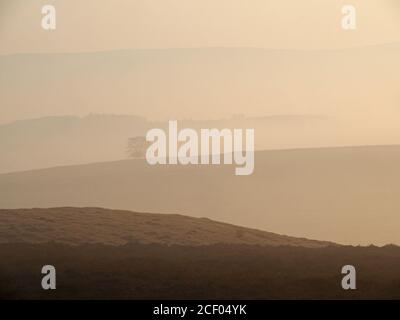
(75, 226)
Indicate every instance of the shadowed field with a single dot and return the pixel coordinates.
(205, 272)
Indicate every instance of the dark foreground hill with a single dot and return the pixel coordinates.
(136, 271)
(108, 254)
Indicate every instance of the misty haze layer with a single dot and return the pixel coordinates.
(345, 195)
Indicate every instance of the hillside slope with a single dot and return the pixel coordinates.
(344, 195)
(76, 226)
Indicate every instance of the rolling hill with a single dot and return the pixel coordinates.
(293, 99)
(78, 226)
(344, 195)
(72, 140)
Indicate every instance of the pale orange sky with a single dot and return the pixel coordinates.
(206, 83)
(93, 25)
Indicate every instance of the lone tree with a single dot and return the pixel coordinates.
(137, 147)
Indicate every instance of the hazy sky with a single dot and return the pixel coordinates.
(200, 84)
(92, 25)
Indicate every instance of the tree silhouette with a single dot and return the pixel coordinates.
(137, 147)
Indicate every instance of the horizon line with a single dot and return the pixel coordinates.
(303, 50)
